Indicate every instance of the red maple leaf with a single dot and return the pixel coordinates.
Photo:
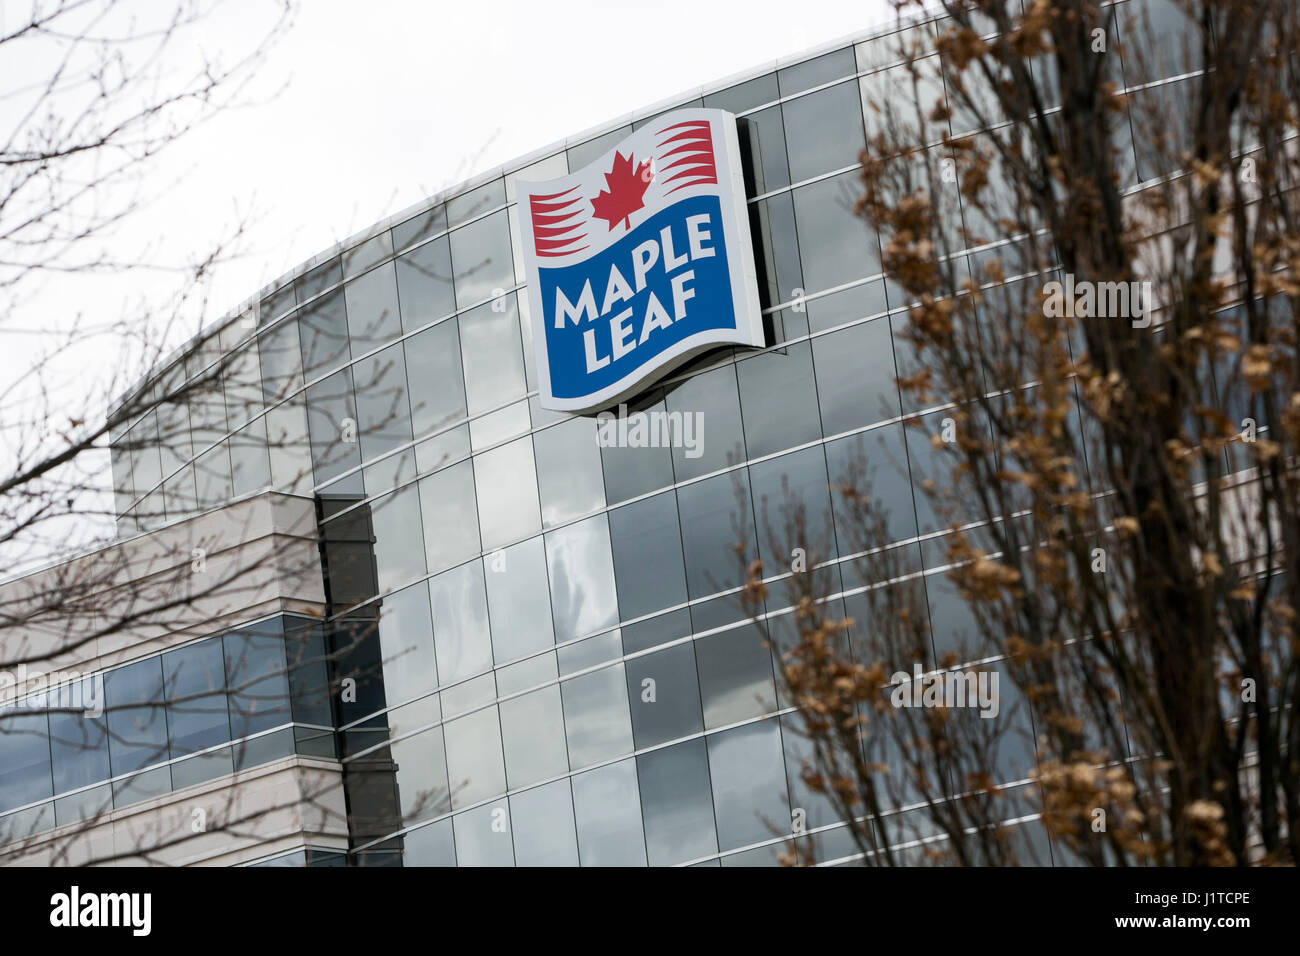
(627, 186)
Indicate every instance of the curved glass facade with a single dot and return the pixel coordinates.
(568, 677)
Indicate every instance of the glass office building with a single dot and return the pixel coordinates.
(567, 674)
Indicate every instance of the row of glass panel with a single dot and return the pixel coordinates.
(158, 724)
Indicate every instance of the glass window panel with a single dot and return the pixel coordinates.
(749, 790)
(836, 246)
(483, 836)
(542, 820)
(475, 767)
(257, 678)
(137, 721)
(519, 605)
(928, 463)
(280, 357)
(364, 255)
(180, 494)
(323, 333)
(442, 450)
(856, 378)
(460, 622)
(607, 806)
(532, 727)
(664, 694)
(482, 264)
(745, 96)
(332, 422)
(647, 548)
(735, 670)
(875, 463)
(243, 380)
(195, 680)
(318, 279)
(634, 471)
(24, 759)
(506, 484)
(712, 398)
(596, 716)
(817, 71)
(146, 463)
(308, 666)
(1160, 40)
(174, 445)
(421, 761)
(277, 303)
(1157, 157)
(152, 511)
(250, 464)
(823, 131)
(710, 512)
(424, 286)
(677, 803)
(817, 806)
(450, 516)
(778, 393)
(436, 381)
(406, 644)
(802, 477)
(383, 411)
(212, 477)
(373, 319)
(952, 622)
(580, 567)
(476, 202)
(494, 359)
(569, 476)
(432, 845)
(399, 547)
(289, 446)
(78, 744)
(892, 89)
(428, 223)
(86, 805)
(123, 488)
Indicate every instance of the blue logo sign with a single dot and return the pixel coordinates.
(639, 261)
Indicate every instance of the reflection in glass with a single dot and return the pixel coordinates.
(519, 605)
(532, 728)
(475, 767)
(450, 516)
(749, 791)
(581, 572)
(596, 716)
(608, 810)
(676, 803)
(460, 622)
(506, 485)
(542, 820)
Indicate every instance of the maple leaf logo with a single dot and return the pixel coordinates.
(626, 194)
